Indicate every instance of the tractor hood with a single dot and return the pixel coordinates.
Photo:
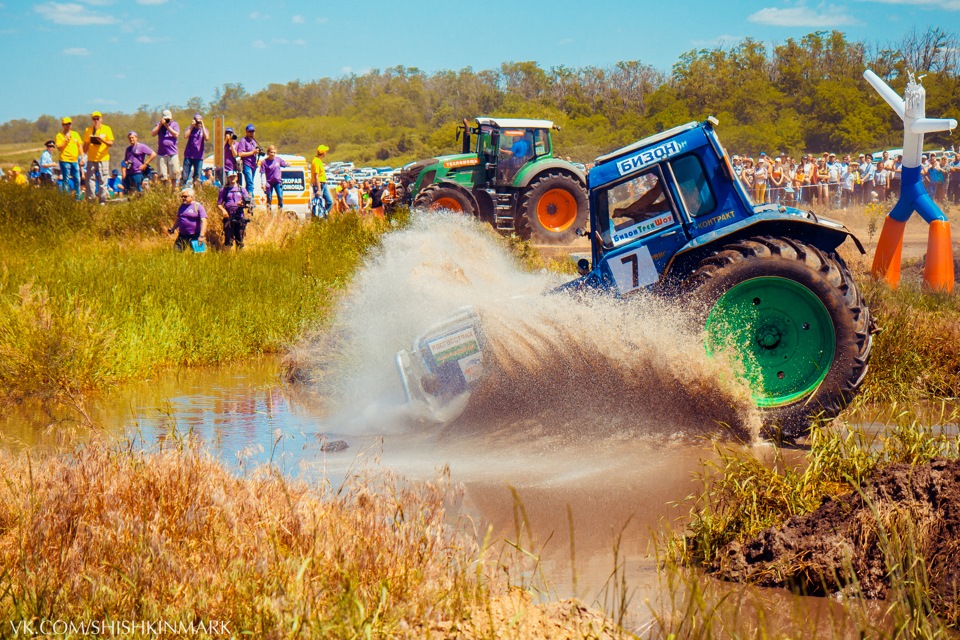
(409, 172)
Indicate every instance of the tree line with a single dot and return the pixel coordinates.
(806, 94)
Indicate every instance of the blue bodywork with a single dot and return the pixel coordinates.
(702, 206)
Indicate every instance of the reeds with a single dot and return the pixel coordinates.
(92, 295)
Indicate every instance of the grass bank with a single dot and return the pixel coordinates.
(93, 295)
(748, 502)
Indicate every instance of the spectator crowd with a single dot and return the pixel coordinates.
(85, 164)
(837, 184)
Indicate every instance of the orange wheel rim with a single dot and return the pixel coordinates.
(557, 210)
(450, 204)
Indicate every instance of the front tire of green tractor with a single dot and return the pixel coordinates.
(795, 319)
(436, 197)
(551, 209)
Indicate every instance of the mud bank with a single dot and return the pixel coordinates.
(902, 513)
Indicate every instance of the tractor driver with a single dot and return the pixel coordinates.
(514, 153)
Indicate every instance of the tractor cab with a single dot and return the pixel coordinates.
(507, 146)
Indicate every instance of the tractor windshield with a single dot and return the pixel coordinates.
(516, 148)
(636, 207)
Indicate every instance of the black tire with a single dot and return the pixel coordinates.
(539, 202)
(825, 276)
(438, 196)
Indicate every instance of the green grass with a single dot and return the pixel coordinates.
(93, 295)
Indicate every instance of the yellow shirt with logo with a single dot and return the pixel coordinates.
(21, 180)
(71, 152)
(98, 152)
(318, 172)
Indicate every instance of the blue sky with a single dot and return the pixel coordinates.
(76, 56)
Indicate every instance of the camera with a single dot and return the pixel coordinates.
(166, 120)
(232, 136)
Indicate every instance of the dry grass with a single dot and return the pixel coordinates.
(112, 533)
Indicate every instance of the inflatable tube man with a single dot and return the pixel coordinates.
(938, 273)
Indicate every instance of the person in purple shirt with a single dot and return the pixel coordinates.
(247, 150)
(197, 136)
(272, 170)
(191, 222)
(230, 202)
(229, 150)
(137, 156)
(168, 164)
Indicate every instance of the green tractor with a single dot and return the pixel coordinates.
(507, 175)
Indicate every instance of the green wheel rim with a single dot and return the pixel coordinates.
(782, 333)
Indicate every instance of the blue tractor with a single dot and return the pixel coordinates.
(668, 214)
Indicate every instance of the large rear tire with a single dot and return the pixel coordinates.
(436, 197)
(552, 208)
(797, 321)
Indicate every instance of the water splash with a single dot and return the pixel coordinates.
(556, 365)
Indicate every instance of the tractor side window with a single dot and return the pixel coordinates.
(541, 144)
(636, 207)
(485, 143)
(693, 185)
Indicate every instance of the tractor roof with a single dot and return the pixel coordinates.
(657, 137)
(516, 123)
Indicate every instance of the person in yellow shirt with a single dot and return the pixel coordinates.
(97, 140)
(318, 178)
(17, 177)
(69, 145)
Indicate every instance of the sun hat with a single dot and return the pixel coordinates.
(250, 127)
(228, 130)
(96, 114)
(114, 173)
(66, 120)
(167, 114)
(132, 133)
(198, 115)
(16, 169)
(323, 148)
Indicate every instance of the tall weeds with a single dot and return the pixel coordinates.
(91, 295)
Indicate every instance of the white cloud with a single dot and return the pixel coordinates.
(566, 41)
(946, 5)
(74, 15)
(322, 20)
(103, 101)
(827, 17)
(719, 41)
(151, 39)
(76, 51)
(300, 42)
(347, 69)
(256, 15)
(298, 20)
(259, 44)
(151, 1)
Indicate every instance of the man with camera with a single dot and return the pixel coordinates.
(167, 133)
(233, 203)
(229, 151)
(197, 136)
(137, 157)
(97, 140)
(248, 150)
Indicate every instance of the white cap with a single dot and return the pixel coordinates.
(167, 114)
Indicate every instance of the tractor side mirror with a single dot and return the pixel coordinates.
(580, 232)
(583, 266)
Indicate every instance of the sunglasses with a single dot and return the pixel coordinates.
(185, 197)
(96, 117)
